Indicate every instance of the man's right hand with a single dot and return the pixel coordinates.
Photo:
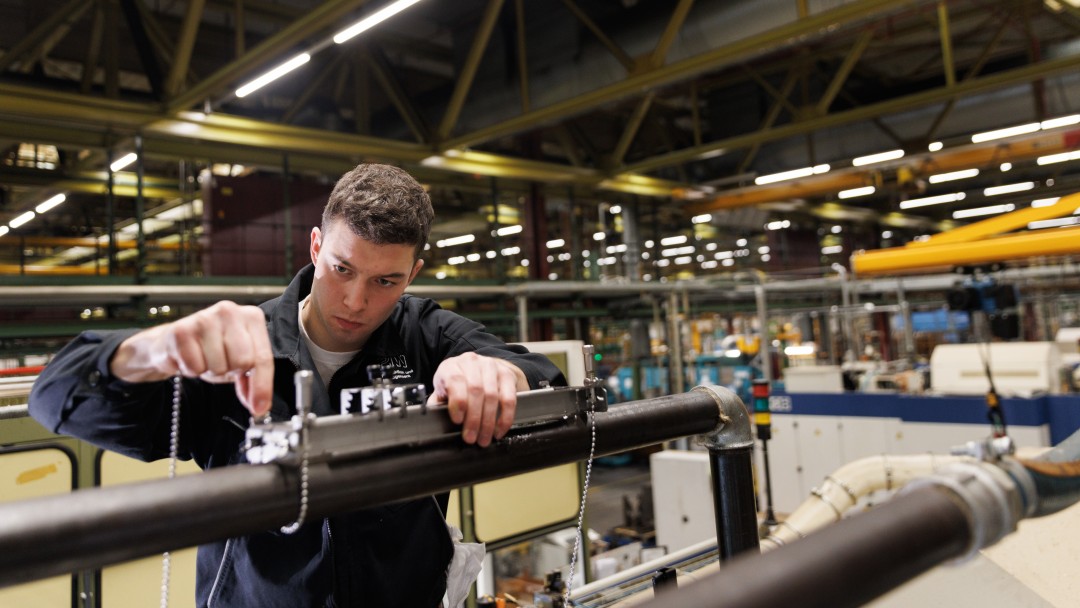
(223, 343)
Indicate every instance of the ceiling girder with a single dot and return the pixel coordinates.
(468, 69)
(382, 71)
(144, 47)
(266, 52)
(59, 21)
(93, 50)
(185, 45)
(739, 51)
(1015, 76)
(609, 44)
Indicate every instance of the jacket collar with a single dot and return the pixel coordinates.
(282, 312)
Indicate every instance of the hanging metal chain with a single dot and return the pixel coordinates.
(581, 510)
(595, 393)
(303, 380)
(174, 448)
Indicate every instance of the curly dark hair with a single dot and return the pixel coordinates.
(381, 204)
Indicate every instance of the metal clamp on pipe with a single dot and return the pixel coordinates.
(995, 500)
(364, 425)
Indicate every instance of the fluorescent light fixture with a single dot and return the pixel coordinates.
(511, 251)
(1058, 158)
(49, 204)
(615, 209)
(123, 161)
(372, 20)
(686, 259)
(4, 230)
(667, 253)
(932, 200)
(473, 257)
(935, 146)
(1008, 188)
(1006, 167)
(952, 176)
(22, 219)
(1054, 223)
(508, 230)
(598, 236)
(620, 248)
(836, 229)
(793, 174)
(763, 249)
(701, 219)
(673, 240)
(491, 254)
(555, 243)
(796, 350)
(458, 259)
(854, 192)
(733, 353)
(887, 234)
(457, 240)
(727, 262)
(1044, 202)
(1006, 132)
(709, 264)
(273, 75)
(663, 262)
(777, 225)
(1063, 121)
(724, 255)
(978, 211)
(832, 249)
(880, 157)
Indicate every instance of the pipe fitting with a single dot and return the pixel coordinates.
(734, 430)
(991, 498)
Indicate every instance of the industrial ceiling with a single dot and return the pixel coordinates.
(671, 109)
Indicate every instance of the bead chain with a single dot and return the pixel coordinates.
(174, 448)
(293, 527)
(581, 510)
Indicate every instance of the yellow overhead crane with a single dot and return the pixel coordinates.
(979, 243)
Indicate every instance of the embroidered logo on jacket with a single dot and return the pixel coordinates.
(398, 368)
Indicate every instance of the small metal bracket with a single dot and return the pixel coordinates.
(597, 392)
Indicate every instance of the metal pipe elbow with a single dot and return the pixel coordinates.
(734, 432)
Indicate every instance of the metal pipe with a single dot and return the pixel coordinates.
(846, 564)
(100, 526)
(523, 317)
(731, 452)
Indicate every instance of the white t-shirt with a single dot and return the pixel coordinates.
(326, 362)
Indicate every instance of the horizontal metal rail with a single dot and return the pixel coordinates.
(96, 527)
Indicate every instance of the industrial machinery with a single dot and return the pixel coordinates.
(94, 527)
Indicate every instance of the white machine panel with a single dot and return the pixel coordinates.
(1019, 368)
(682, 498)
(814, 379)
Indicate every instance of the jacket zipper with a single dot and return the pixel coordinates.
(217, 578)
(333, 565)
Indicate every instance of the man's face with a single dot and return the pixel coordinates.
(356, 285)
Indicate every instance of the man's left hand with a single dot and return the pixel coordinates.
(480, 394)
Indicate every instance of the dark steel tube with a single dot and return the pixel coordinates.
(846, 564)
(100, 526)
(734, 498)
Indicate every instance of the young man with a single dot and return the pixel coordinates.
(344, 312)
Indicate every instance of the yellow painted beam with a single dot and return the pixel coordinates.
(897, 260)
(1003, 223)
